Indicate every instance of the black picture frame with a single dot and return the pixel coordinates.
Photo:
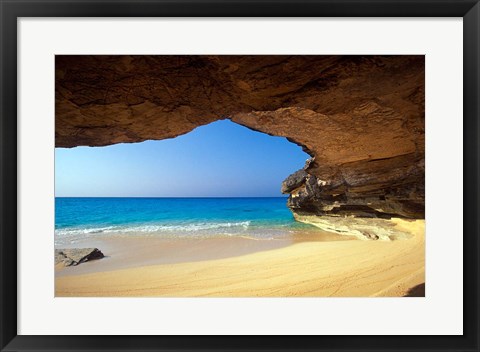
(11, 10)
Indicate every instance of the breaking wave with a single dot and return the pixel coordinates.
(181, 228)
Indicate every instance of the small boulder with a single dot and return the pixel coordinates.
(75, 256)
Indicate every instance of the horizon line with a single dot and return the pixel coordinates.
(283, 196)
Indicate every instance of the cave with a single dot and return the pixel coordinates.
(360, 118)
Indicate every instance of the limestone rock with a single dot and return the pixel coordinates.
(75, 256)
(340, 196)
(361, 228)
(294, 181)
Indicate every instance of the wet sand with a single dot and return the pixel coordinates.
(304, 265)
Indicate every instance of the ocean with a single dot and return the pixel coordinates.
(258, 218)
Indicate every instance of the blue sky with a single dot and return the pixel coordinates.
(222, 159)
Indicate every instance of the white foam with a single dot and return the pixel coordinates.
(75, 231)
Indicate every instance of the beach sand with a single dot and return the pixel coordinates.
(289, 268)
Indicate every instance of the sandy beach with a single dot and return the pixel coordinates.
(309, 268)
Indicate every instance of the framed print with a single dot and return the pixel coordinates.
(251, 175)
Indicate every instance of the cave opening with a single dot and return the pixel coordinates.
(219, 178)
(360, 118)
(220, 159)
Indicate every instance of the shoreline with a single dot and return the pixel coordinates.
(350, 268)
(122, 252)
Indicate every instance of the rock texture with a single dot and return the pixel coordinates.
(75, 256)
(361, 118)
(354, 225)
(391, 190)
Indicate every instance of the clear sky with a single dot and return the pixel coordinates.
(222, 159)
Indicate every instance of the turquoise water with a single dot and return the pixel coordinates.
(80, 218)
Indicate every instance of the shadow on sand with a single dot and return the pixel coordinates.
(416, 291)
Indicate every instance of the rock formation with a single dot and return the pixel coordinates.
(361, 118)
(75, 256)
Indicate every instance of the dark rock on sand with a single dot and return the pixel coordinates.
(75, 256)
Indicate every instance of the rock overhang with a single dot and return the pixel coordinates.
(361, 118)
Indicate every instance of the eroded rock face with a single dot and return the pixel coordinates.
(372, 229)
(394, 191)
(361, 118)
(294, 181)
(365, 217)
